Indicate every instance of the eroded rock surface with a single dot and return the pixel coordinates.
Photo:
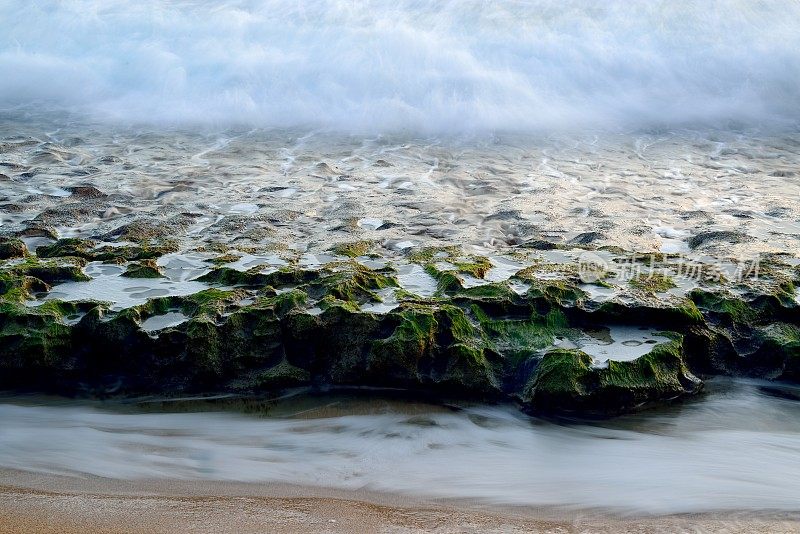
(257, 261)
(491, 328)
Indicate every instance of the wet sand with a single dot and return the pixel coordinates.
(34, 503)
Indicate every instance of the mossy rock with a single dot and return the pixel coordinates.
(558, 292)
(206, 349)
(211, 302)
(723, 305)
(70, 246)
(671, 316)
(518, 339)
(447, 282)
(15, 287)
(143, 269)
(353, 249)
(355, 283)
(779, 353)
(566, 381)
(396, 360)
(223, 259)
(435, 349)
(11, 247)
(476, 266)
(287, 276)
(20, 280)
(283, 375)
(492, 292)
(477, 342)
(120, 254)
(57, 274)
(469, 369)
(36, 343)
(653, 282)
(563, 378)
(426, 255)
(286, 302)
(88, 250)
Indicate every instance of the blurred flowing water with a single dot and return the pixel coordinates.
(737, 448)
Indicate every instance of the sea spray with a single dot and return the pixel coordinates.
(434, 67)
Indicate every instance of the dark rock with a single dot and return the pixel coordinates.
(39, 230)
(86, 191)
(69, 214)
(725, 236)
(586, 238)
(11, 208)
(479, 342)
(142, 230)
(540, 244)
(12, 248)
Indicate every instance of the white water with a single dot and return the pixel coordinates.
(406, 64)
(737, 449)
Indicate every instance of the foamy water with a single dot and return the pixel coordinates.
(407, 64)
(736, 449)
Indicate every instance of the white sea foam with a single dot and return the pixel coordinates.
(425, 66)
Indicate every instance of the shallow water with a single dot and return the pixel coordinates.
(108, 285)
(736, 448)
(619, 343)
(160, 322)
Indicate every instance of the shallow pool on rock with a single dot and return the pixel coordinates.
(166, 320)
(618, 343)
(108, 285)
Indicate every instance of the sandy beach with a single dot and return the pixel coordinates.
(36, 503)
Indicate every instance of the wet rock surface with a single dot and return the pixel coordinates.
(254, 262)
(527, 329)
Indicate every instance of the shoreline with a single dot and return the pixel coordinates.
(34, 502)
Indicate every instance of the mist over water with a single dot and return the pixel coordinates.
(406, 65)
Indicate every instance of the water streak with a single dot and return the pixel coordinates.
(738, 448)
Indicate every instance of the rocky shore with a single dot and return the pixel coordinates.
(354, 321)
(134, 262)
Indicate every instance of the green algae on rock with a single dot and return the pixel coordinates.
(352, 249)
(567, 381)
(20, 279)
(91, 251)
(143, 269)
(12, 248)
(262, 330)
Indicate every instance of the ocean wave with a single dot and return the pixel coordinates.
(406, 65)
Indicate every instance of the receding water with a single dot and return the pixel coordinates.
(738, 447)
